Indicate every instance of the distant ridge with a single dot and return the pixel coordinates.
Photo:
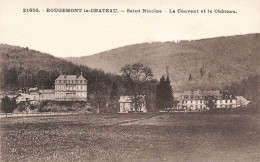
(213, 63)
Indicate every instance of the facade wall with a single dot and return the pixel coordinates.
(125, 107)
(191, 101)
(71, 89)
(192, 104)
(47, 97)
(226, 103)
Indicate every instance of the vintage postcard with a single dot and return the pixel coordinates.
(132, 80)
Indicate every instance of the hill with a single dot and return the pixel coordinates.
(26, 68)
(20, 65)
(206, 64)
(23, 68)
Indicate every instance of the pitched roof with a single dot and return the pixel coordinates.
(70, 77)
(81, 78)
(242, 100)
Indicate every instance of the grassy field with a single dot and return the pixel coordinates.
(132, 137)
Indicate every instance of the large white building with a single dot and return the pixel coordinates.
(70, 88)
(196, 100)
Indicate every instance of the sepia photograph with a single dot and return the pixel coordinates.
(129, 81)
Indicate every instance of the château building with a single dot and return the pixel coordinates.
(196, 100)
(70, 88)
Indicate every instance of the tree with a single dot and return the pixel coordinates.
(9, 78)
(160, 88)
(114, 97)
(190, 78)
(164, 94)
(136, 82)
(202, 72)
(43, 80)
(100, 90)
(169, 93)
(7, 105)
(210, 76)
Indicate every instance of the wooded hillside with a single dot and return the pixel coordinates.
(206, 64)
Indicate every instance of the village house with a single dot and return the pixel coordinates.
(32, 98)
(70, 88)
(191, 100)
(127, 105)
(35, 96)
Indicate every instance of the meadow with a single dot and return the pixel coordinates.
(132, 137)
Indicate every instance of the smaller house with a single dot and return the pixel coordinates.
(241, 101)
(127, 105)
(23, 97)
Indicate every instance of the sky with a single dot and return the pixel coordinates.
(82, 34)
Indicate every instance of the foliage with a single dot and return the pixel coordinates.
(220, 60)
(164, 94)
(136, 83)
(248, 88)
(7, 105)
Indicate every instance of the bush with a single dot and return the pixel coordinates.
(7, 105)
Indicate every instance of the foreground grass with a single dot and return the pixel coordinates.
(132, 137)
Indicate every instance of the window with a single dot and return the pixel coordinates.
(81, 81)
(226, 101)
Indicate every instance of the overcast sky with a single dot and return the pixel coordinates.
(81, 34)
